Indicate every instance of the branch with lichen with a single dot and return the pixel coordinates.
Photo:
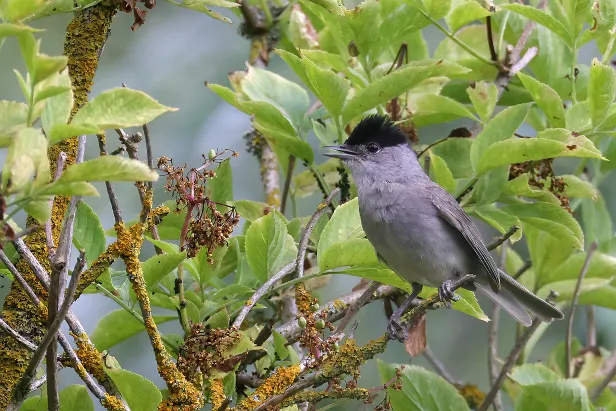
(86, 35)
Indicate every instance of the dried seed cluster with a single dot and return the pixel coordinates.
(540, 174)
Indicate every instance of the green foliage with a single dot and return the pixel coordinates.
(139, 393)
(118, 326)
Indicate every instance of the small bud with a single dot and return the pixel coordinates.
(302, 322)
(314, 307)
(353, 51)
(336, 347)
(320, 324)
(211, 154)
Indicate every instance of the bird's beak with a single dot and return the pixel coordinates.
(341, 152)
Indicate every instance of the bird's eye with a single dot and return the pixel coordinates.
(373, 147)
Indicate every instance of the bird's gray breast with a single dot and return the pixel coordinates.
(406, 230)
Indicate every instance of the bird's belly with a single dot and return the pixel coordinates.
(426, 250)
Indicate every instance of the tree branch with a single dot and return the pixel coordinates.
(500, 240)
(23, 340)
(576, 294)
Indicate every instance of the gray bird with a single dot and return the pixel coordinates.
(419, 230)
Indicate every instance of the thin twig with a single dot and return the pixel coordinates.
(530, 54)
(117, 215)
(287, 183)
(50, 336)
(150, 157)
(493, 55)
(511, 359)
(527, 265)
(576, 294)
(26, 232)
(22, 282)
(21, 339)
(261, 291)
(303, 243)
(425, 150)
(503, 238)
(354, 309)
(609, 370)
(438, 366)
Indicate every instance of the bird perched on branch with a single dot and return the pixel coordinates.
(419, 230)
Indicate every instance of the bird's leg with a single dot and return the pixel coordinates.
(446, 291)
(395, 328)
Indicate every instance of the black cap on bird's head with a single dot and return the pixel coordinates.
(372, 134)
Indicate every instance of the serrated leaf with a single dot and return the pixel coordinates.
(80, 188)
(8, 29)
(541, 17)
(75, 398)
(529, 374)
(499, 128)
(119, 108)
(499, 219)
(422, 390)
(330, 88)
(139, 392)
(464, 12)
(384, 89)
(344, 225)
(440, 174)
(578, 188)
(563, 395)
(483, 95)
(269, 247)
(251, 210)
(156, 268)
(108, 168)
(351, 252)
(601, 266)
(118, 326)
(601, 91)
(88, 232)
(57, 108)
(222, 185)
(27, 156)
(13, 115)
(546, 98)
(60, 132)
(551, 219)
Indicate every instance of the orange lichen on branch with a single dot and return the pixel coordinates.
(313, 397)
(350, 357)
(182, 394)
(85, 37)
(217, 394)
(277, 383)
(97, 268)
(303, 299)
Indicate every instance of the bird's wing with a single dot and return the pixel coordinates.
(449, 209)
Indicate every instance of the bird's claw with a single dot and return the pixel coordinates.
(396, 330)
(447, 294)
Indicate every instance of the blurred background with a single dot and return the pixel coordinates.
(169, 58)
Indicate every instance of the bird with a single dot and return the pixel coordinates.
(419, 230)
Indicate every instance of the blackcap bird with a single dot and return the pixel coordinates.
(419, 230)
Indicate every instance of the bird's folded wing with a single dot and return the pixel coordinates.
(454, 214)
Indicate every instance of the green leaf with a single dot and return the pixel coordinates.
(8, 29)
(601, 91)
(200, 6)
(13, 115)
(456, 153)
(108, 168)
(463, 12)
(88, 232)
(222, 185)
(269, 247)
(119, 108)
(329, 87)
(499, 219)
(546, 98)
(286, 96)
(384, 89)
(563, 395)
(500, 128)
(422, 390)
(577, 118)
(352, 252)
(14, 11)
(467, 304)
(439, 106)
(139, 393)
(549, 143)
(156, 268)
(440, 174)
(550, 218)
(597, 223)
(541, 17)
(231, 290)
(344, 225)
(168, 248)
(331, 5)
(75, 398)
(251, 210)
(27, 156)
(280, 345)
(57, 108)
(60, 132)
(379, 273)
(80, 188)
(594, 291)
(529, 374)
(219, 320)
(546, 251)
(578, 188)
(38, 209)
(118, 326)
(601, 266)
(437, 9)
(483, 95)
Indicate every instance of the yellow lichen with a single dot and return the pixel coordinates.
(350, 357)
(112, 403)
(303, 299)
(339, 305)
(217, 394)
(314, 397)
(275, 384)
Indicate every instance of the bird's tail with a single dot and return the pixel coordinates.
(514, 298)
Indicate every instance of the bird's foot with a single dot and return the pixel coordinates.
(447, 294)
(396, 330)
